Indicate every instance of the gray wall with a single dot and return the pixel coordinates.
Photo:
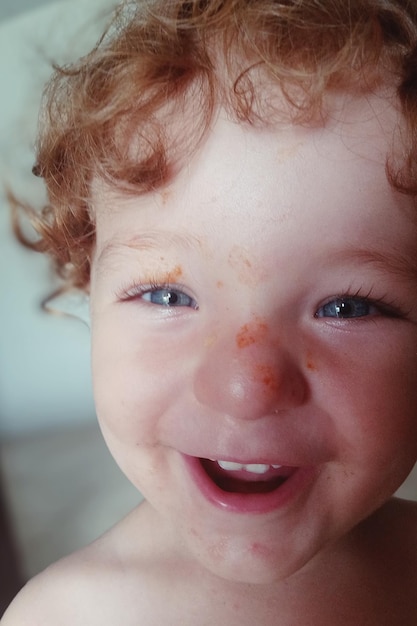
(11, 8)
(44, 359)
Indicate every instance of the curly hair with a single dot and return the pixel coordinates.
(162, 58)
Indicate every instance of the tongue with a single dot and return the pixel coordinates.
(242, 481)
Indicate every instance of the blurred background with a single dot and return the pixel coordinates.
(60, 488)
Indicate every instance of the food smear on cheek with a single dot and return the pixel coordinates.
(310, 363)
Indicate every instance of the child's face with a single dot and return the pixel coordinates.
(261, 309)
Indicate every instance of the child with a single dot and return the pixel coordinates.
(233, 184)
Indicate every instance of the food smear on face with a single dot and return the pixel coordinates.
(310, 364)
(247, 274)
(266, 375)
(173, 275)
(251, 333)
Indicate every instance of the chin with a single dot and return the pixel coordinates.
(253, 563)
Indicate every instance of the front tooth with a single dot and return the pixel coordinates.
(230, 466)
(256, 468)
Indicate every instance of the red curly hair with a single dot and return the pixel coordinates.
(160, 58)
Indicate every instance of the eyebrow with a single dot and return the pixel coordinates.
(396, 263)
(150, 241)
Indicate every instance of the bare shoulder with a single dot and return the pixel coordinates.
(100, 584)
(392, 531)
(36, 603)
(402, 556)
(59, 594)
(393, 547)
(401, 516)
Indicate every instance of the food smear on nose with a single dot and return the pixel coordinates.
(244, 481)
(252, 332)
(265, 374)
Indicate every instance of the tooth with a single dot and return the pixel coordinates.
(256, 468)
(230, 466)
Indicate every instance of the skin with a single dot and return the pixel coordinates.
(262, 235)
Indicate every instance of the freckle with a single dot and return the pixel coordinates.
(220, 284)
(250, 333)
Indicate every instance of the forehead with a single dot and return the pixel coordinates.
(329, 169)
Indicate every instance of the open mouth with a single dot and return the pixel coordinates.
(255, 478)
(247, 488)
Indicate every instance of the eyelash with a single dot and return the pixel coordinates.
(385, 307)
(138, 290)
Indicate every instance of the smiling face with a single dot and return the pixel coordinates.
(260, 311)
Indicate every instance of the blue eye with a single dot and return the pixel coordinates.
(347, 308)
(168, 297)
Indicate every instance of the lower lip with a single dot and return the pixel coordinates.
(252, 502)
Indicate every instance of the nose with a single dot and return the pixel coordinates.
(248, 375)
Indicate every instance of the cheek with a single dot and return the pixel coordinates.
(372, 393)
(132, 383)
